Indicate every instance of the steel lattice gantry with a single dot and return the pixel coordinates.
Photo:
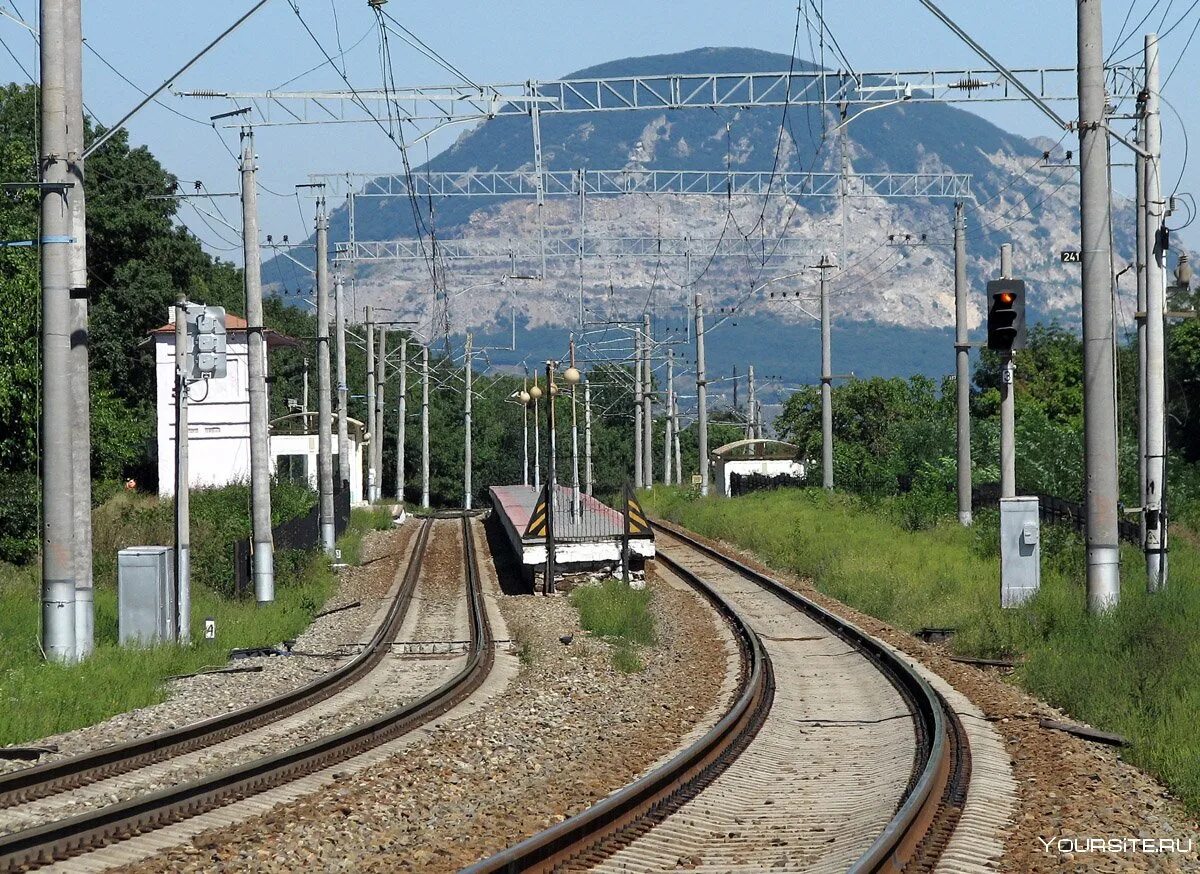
(522, 248)
(453, 103)
(510, 183)
(580, 183)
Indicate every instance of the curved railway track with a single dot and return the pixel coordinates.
(40, 781)
(835, 754)
(84, 832)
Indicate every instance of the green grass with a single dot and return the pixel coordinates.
(1134, 670)
(38, 698)
(620, 615)
(362, 520)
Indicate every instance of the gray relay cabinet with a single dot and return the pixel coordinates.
(145, 595)
(1020, 551)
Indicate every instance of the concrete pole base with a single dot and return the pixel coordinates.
(183, 610)
(85, 623)
(1156, 571)
(264, 573)
(1103, 578)
(58, 620)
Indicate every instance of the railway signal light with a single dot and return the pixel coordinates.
(1006, 315)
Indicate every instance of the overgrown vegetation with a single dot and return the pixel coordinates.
(362, 520)
(39, 698)
(619, 614)
(1135, 670)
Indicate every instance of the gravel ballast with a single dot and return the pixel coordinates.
(196, 698)
(1070, 790)
(569, 730)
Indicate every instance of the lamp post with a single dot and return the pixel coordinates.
(552, 480)
(523, 398)
(572, 376)
(536, 392)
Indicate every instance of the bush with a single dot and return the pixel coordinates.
(19, 513)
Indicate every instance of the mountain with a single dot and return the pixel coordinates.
(894, 294)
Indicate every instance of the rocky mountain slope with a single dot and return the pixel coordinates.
(1017, 197)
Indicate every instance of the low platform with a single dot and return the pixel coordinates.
(587, 540)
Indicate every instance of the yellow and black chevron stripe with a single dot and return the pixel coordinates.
(537, 519)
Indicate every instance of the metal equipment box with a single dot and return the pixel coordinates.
(146, 595)
(1020, 551)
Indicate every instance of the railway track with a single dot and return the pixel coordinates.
(70, 836)
(835, 755)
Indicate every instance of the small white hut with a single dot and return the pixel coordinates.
(761, 456)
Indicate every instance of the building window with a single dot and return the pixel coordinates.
(293, 469)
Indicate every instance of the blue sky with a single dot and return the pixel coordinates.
(517, 40)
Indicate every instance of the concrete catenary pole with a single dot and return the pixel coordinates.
(751, 402)
(402, 420)
(183, 532)
(668, 430)
(638, 465)
(425, 426)
(372, 490)
(647, 398)
(1156, 290)
(1008, 409)
(678, 454)
(58, 570)
(380, 382)
(587, 436)
(324, 392)
(343, 390)
(701, 397)
(467, 426)
(551, 479)
(826, 379)
(962, 366)
(260, 450)
(576, 504)
(1099, 392)
(81, 428)
(1141, 259)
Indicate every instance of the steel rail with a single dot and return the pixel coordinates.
(40, 781)
(910, 836)
(62, 839)
(932, 802)
(666, 787)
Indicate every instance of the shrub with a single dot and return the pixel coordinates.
(19, 505)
